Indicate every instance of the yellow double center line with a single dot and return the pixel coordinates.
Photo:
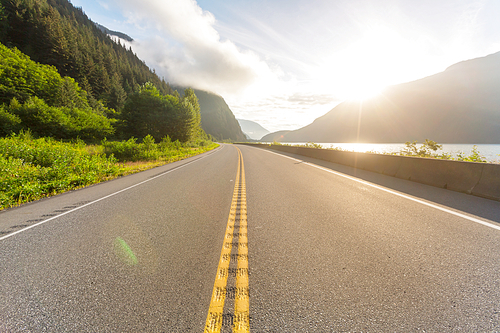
(241, 317)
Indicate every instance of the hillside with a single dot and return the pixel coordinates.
(54, 32)
(252, 129)
(459, 105)
(217, 119)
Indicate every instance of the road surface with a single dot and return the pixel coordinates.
(321, 248)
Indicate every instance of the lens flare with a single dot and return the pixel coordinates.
(124, 252)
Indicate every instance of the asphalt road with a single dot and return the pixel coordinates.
(330, 249)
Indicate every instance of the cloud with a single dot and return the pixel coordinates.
(284, 112)
(312, 99)
(189, 51)
(103, 4)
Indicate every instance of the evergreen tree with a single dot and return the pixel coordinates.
(100, 76)
(148, 112)
(56, 33)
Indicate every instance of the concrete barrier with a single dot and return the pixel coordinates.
(453, 175)
(489, 183)
(479, 179)
(384, 164)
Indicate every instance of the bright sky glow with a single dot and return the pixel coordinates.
(284, 63)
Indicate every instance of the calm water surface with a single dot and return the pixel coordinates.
(489, 151)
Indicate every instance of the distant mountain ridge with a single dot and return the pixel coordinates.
(278, 136)
(217, 119)
(253, 130)
(458, 105)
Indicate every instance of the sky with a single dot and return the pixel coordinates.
(283, 63)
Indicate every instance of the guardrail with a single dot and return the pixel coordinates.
(479, 179)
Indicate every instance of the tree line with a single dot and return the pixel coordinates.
(36, 97)
(61, 76)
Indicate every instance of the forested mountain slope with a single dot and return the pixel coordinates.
(217, 118)
(54, 32)
(35, 97)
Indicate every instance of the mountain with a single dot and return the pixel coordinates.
(252, 129)
(54, 32)
(275, 136)
(114, 33)
(217, 119)
(458, 105)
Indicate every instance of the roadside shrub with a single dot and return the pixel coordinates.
(148, 150)
(475, 156)
(9, 123)
(122, 150)
(311, 145)
(33, 168)
(427, 149)
(60, 122)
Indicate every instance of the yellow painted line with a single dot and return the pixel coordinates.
(241, 317)
(216, 309)
(241, 321)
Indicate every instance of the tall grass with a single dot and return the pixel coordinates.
(31, 168)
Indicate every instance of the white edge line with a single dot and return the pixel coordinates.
(446, 210)
(105, 197)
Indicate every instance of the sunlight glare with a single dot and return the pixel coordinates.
(368, 65)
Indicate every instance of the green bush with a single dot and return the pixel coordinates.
(21, 78)
(59, 122)
(475, 156)
(427, 149)
(148, 150)
(9, 123)
(310, 145)
(46, 103)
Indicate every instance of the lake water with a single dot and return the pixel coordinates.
(489, 151)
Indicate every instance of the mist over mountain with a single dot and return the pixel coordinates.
(252, 129)
(114, 33)
(458, 105)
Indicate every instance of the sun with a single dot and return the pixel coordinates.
(363, 89)
(357, 86)
(365, 67)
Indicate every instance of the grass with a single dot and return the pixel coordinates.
(31, 169)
